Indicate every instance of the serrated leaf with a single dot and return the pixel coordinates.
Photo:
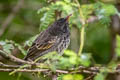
(20, 47)
(8, 47)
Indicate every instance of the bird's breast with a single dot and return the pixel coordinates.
(63, 43)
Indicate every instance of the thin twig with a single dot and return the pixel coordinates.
(10, 17)
(8, 66)
(21, 61)
(24, 70)
(54, 77)
(90, 77)
(57, 71)
(80, 70)
(13, 58)
(82, 19)
(31, 70)
(17, 60)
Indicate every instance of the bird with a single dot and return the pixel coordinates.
(55, 38)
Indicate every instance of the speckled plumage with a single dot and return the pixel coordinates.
(55, 38)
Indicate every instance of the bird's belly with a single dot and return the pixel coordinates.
(63, 44)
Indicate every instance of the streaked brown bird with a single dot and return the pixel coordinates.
(55, 38)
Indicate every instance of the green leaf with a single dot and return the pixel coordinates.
(21, 48)
(118, 46)
(109, 9)
(99, 76)
(8, 47)
(72, 77)
(70, 53)
(68, 77)
(78, 77)
(60, 77)
(64, 61)
(30, 41)
(48, 12)
(73, 60)
(85, 59)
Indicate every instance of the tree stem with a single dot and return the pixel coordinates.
(82, 19)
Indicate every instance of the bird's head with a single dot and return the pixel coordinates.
(61, 25)
(63, 21)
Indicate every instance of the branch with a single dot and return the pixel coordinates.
(41, 67)
(15, 59)
(45, 70)
(54, 77)
(24, 70)
(91, 70)
(90, 77)
(11, 16)
(81, 69)
(8, 66)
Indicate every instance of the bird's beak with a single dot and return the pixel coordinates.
(67, 18)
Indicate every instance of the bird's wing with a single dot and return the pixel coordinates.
(41, 44)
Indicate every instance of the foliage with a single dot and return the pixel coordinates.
(65, 6)
(69, 60)
(102, 10)
(6, 46)
(9, 45)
